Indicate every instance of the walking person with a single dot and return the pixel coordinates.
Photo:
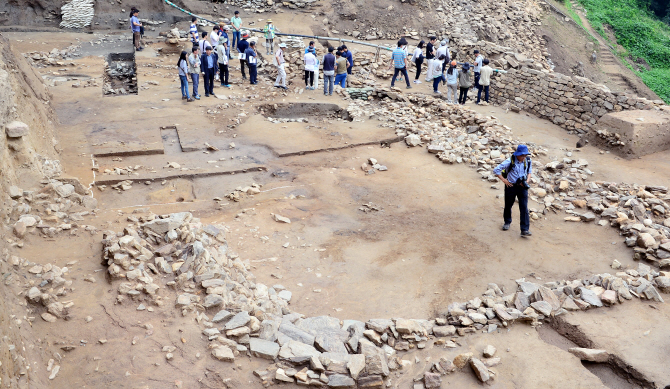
(464, 83)
(310, 68)
(182, 64)
(399, 62)
(430, 57)
(269, 33)
(478, 67)
(242, 47)
(340, 69)
(194, 70)
(402, 42)
(438, 76)
(417, 58)
(280, 63)
(484, 81)
(252, 61)
(328, 72)
(208, 63)
(222, 54)
(236, 22)
(452, 82)
(193, 31)
(135, 26)
(515, 172)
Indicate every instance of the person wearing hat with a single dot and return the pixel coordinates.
(442, 50)
(452, 82)
(269, 34)
(464, 83)
(224, 38)
(280, 62)
(515, 172)
(478, 67)
(242, 47)
(236, 23)
(135, 26)
(209, 66)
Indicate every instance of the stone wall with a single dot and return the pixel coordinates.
(574, 103)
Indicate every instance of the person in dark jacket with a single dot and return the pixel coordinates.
(349, 57)
(242, 47)
(209, 64)
(250, 54)
(328, 72)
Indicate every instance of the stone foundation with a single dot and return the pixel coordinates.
(633, 133)
(574, 103)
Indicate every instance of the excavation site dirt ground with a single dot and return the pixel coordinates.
(401, 242)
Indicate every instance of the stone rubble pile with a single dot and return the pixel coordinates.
(45, 285)
(240, 192)
(459, 135)
(56, 207)
(77, 14)
(123, 74)
(53, 58)
(175, 259)
(264, 5)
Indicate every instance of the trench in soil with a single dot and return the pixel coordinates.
(613, 373)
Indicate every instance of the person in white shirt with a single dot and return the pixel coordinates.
(204, 43)
(417, 58)
(310, 68)
(280, 62)
(214, 36)
(222, 54)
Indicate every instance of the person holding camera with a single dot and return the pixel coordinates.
(515, 172)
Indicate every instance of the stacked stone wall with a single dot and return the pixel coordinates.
(574, 103)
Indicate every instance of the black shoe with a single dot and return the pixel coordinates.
(526, 233)
(505, 227)
(206, 95)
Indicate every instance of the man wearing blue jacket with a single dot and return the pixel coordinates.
(208, 65)
(515, 172)
(242, 47)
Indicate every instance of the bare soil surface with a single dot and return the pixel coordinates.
(435, 239)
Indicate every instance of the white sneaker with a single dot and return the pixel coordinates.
(437, 92)
(417, 82)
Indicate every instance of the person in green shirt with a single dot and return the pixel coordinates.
(269, 32)
(236, 21)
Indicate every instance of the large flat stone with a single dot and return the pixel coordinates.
(263, 348)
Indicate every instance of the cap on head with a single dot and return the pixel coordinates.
(466, 66)
(453, 63)
(476, 51)
(269, 21)
(521, 150)
(245, 35)
(282, 45)
(443, 43)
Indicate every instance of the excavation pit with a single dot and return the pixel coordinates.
(120, 75)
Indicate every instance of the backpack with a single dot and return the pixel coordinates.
(526, 166)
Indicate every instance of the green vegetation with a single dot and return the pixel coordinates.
(641, 34)
(573, 14)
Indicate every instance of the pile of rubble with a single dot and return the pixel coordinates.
(459, 135)
(239, 192)
(120, 78)
(175, 259)
(77, 14)
(58, 206)
(46, 284)
(53, 58)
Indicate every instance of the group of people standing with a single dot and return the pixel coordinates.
(441, 69)
(335, 67)
(211, 54)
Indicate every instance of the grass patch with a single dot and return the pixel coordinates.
(640, 33)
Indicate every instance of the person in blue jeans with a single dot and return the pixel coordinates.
(399, 61)
(340, 69)
(182, 64)
(194, 70)
(236, 22)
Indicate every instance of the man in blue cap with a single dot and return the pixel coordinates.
(515, 172)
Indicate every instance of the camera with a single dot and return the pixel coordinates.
(522, 181)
